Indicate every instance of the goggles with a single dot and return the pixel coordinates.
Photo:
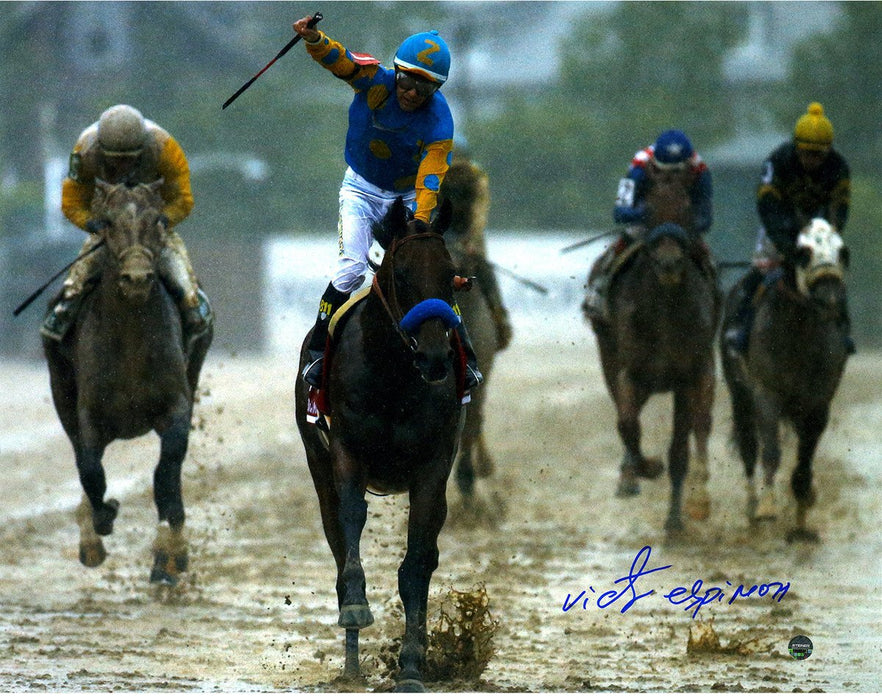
(408, 81)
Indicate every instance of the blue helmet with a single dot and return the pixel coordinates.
(425, 54)
(672, 148)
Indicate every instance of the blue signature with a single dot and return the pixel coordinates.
(693, 598)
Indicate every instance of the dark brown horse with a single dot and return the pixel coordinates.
(792, 368)
(122, 371)
(394, 409)
(663, 305)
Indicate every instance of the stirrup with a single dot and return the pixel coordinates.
(58, 321)
(735, 340)
(473, 377)
(312, 372)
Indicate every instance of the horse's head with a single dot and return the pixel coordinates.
(668, 199)
(820, 262)
(133, 233)
(415, 282)
(668, 247)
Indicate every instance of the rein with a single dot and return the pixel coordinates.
(392, 307)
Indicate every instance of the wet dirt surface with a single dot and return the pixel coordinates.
(257, 609)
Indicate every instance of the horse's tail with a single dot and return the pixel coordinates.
(743, 412)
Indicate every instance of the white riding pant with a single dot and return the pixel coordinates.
(361, 206)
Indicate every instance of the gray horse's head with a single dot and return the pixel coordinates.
(134, 233)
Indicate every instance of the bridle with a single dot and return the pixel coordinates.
(427, 308)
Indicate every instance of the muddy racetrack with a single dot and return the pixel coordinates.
(257, 609)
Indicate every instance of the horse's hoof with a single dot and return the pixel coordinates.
(93, 554)
(627, 488)
(162, 577)
(674, 525)
(649, 469)
(410, 685)
(103, 518)
(801, 534)
(355, 617)
(166, 569)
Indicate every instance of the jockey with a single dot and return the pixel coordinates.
(801, 179)
(466, 186)
(124, 147)
(672, 154)
(398, 144)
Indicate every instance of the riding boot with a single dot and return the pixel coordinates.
(473, 376)
(594, 306)
(331, 300)
(196, 320)
(61, 317)
(738, 334)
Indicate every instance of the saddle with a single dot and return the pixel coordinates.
(317, 403)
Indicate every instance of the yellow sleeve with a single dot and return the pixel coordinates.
(76, 199)
(429, 177)
(333, 56)
(175, 171)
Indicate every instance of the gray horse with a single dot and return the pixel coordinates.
(123, 371)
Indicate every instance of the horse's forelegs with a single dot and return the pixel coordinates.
(770, 456)
(170, 557)
(428, 510)
(629, 402)
(92, 552)
(697, 497)
(95, 486)
(678, 458)
(809, 429)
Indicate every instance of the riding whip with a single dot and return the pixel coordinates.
(590, 239)
(523, 280)
(311, 23)
(27, 302)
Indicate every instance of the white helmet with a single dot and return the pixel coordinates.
(122, 131)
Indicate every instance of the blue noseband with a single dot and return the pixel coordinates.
(426, 309)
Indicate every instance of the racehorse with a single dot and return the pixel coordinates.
(663, 308)
(123, 371)
(474, 460)
(791, 370)
(393, 403)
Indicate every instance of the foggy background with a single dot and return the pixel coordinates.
(553, 99)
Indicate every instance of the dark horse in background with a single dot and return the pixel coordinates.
(123, 371)
(394, 404)
(791, 370)
(663, 307)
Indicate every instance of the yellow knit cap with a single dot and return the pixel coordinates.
(813, 131)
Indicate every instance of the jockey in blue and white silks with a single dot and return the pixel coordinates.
(399, 143)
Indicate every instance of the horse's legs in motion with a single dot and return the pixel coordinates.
(768, 416)
(428, 510)
(678, 457)
(344, 514)
(809, 429)
(170, 545)
(89, 451)
(630, 399)
(701, 399)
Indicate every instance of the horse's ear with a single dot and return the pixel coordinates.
(443, 217)
(844, 256)
(102, 186)
(156, 185)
